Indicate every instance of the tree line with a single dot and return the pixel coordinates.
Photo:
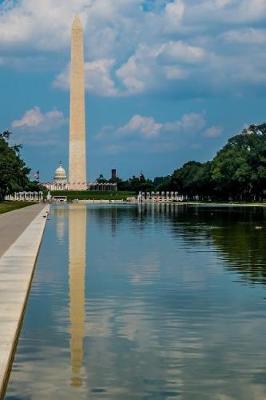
(14, 174)
(237, 172)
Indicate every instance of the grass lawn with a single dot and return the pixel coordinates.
(93, 195)
(6, 206)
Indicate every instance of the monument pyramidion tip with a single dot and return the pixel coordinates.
(77, 22)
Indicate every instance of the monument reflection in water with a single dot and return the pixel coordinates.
(173, 306)
(76, 217)
(77, 268)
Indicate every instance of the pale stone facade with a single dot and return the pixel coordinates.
(77, 131)
(25, 196)
(77, 179)
(60, 180)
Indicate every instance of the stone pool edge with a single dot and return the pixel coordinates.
(17, 267)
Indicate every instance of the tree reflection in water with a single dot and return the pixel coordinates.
(238, 233)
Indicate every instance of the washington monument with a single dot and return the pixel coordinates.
(77, 130)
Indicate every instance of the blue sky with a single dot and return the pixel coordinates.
(166, 81)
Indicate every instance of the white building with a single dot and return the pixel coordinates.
(60, 180)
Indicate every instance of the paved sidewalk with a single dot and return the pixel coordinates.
(21, 233)
(13, 223)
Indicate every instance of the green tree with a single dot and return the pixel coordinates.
(237, 172)
(193, 179)
(101, 179)
(137, 184)
(162, 183)
(13, 170)
(239, 169)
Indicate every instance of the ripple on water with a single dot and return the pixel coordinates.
(146, 302)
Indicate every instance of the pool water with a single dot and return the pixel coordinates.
(146, 302)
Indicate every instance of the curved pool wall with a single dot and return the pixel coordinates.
(148, 302)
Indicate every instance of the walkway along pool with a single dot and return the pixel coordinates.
(146, 302)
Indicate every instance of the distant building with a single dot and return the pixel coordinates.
(60, 180)
(102, 187)
(114, 174)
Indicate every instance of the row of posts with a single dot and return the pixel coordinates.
(25, 196)
(160, 197)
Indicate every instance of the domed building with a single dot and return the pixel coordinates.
(60, 179)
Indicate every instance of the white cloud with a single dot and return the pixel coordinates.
(146, 126)
(45, 25)
(113, 31)
(136, 76)
(62, 80)
(213, 132)
(37, 128)
(174, 73)
(30, 119)
(131, 51)
(98, 78)
(181, 52)
(42, 25)
(246, 36)
(173, 15)
(145, 135)
(149, 128)
(188, 123)
(150, 66)
(250, 10)
(227, 11)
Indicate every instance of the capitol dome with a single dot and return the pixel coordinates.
(60, 174)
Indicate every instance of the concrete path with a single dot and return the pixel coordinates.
(26, 227)
(13, 223)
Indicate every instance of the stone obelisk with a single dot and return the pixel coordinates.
(77, 131)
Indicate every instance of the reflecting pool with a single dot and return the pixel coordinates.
(149, 302)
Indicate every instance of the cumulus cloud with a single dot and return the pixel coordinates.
(39, 128)
(213, 132)
(135, 75)
(31, 118)
(174, 73)
(133, 48)
(146, 126)
(98, 78)
(35, 119)
(149, 128)
(181, 52)
(162, 137)
(188, 123)
(246, 36)
(227, 11)
(37, 25)
(173, 14)
(152, 65)
(144, 70)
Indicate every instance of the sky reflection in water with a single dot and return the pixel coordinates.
(146, 303)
